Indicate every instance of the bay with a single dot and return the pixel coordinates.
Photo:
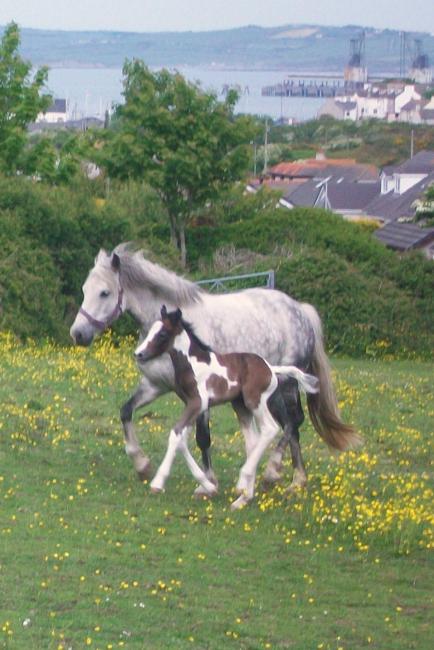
(92, 91)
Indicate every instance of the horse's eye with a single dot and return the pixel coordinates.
(104, 294)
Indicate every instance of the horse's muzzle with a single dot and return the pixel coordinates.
(143, 356)
(81, 337)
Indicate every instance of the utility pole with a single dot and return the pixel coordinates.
(412, 144)
(254, 158)
(266, 146)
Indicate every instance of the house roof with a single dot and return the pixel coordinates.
(346, 106)
(404, 236)
(421, 163)
(304, 194)
(392, 206)
(58, 106)
(350, 195)
(341, 194)
(323, 168)
(413, 104)
(427, 113)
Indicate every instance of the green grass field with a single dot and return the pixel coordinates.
(89, 558)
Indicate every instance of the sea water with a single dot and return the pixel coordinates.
(92, 91)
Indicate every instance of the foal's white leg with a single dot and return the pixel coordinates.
(268, 428)
(178, 442)
(157, 483)
(198, 473)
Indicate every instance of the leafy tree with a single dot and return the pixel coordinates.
(426, 210)
(184, 142)
(20, 99)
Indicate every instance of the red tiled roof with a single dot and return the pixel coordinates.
(297, 167)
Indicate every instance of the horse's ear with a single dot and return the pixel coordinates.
(178, 314)
(116, 262)
(102, 255)
(163, 312)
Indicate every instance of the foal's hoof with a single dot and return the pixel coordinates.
(202, 493)
(241, 502)
(145, 472)
(294, 488)
(272, 476)
(157, 490)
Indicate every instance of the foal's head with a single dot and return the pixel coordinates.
(161, 336)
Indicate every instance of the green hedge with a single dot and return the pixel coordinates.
(371, 301)
(49, 237)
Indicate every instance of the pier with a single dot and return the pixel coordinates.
(296, 87)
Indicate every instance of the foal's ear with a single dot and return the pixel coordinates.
(163, 312)
(178, 314)
(116, 262)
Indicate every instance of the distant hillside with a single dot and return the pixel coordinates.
(289, 47)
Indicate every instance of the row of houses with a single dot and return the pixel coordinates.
(393, 197)
(393, 102)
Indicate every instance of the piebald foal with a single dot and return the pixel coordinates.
(203, 379)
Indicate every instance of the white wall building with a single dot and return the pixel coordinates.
(56, 113)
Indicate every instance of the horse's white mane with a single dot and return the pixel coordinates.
(136, 271)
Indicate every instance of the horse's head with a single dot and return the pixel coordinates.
(103, 299)
(161, 336)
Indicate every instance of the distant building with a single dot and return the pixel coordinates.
(394, 199)
(82, 124)
(385, 101)
(356, 72)
(404, 237)
(403, 188)
(421, 71)
(55, 114)
(339, 109)
(340, 184)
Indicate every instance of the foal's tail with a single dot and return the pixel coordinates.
(308, 383)
(323, 406)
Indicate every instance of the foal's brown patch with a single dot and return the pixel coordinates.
(250, 371)
(218, 386)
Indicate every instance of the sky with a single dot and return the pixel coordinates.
(200, 15)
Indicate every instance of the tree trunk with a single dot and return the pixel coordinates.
(182, 246)
(173, 232)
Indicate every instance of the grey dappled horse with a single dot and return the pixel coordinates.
(264, 321)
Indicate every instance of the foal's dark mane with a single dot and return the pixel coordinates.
(190, 331)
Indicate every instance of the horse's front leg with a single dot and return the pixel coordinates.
(178, 441)
(145, 393)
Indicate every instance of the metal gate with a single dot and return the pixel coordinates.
(266, 279)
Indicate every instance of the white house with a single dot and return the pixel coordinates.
(383, 102)
(405, 176)
(409, 93)
(56, 113)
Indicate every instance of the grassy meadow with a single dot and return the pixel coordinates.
(89, 558)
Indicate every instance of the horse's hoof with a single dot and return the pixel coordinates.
(157, 490)
(294, 488)
(241, 502)
(299, 482)
(269, 482)
(272, 475)
(212, 477)
(145, 472)
(202, 493)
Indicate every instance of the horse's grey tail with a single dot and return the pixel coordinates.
(323, 406)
